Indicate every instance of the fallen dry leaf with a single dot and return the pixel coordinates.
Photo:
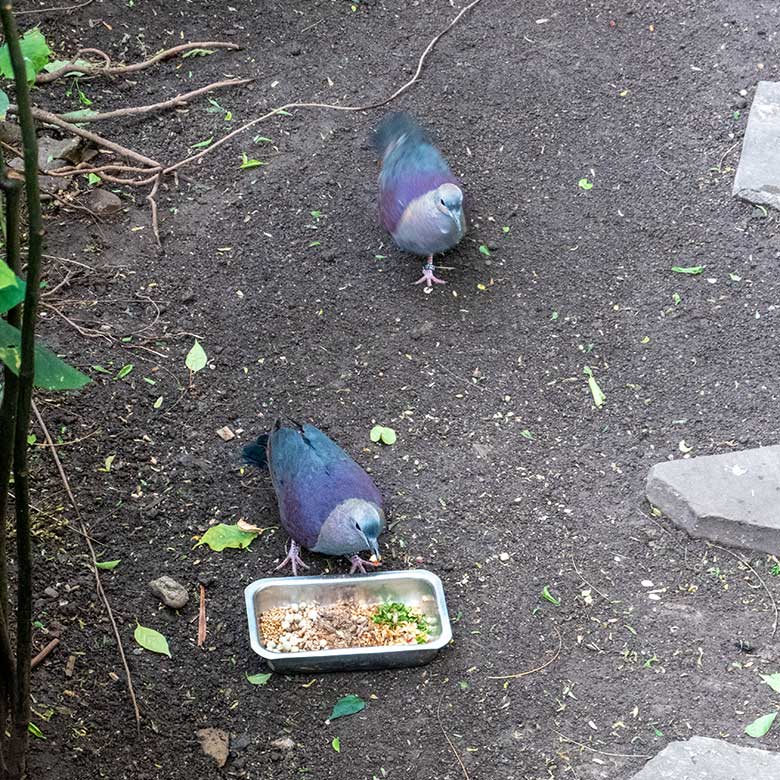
(215, 743)
(226, 434)
(247, 526)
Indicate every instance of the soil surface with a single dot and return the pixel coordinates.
(500, 447)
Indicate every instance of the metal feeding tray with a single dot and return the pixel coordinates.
(417, 588)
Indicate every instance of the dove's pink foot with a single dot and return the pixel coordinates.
(293, 558)
(428, 276)
(358, 564)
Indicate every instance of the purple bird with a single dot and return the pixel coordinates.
(327, 503)
(420, 200)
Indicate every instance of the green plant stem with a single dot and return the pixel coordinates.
(10, 189)
(21, 715)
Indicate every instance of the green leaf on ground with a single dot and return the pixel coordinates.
(547, 596)
(772, 680)
(347, 705)
(691, 270)
(249, 162)
(584, 184)
(484, 250)
(51, 373)
(598, 396)
(379, 433)
(107, 565)
(125, 370)
(35, 731)
(196, 358)
(203, 144)
(761, 725)
(151, 640)
(526, 434)
(676, 298)
(221, 536)
(258, 679)
(336, 744)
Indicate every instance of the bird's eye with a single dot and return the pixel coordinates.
(357, 525)
(442, 202)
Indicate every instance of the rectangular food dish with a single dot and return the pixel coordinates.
(416, 588)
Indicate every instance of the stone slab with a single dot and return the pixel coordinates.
(702, 758)
(758, 173)
(732, 499)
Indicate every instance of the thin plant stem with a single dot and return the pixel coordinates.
(18, 744)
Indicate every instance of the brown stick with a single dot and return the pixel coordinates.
(98, 583)
(153, 205)
(67, 9)
(202, 617)
(330, 106)
(179, 100)
(42, 655)
(54, 119)
(109, 70)
(538, 668)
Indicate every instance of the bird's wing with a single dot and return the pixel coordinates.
(410, 170)
(312, 475)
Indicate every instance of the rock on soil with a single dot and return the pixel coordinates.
(215, 743)
(702, 758)
(732, 499)
(170, 592)
(758, 174)
(103, 202)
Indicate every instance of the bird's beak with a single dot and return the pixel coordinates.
(457, 217)
(375, 554)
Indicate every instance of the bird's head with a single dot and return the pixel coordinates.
(449, 200)
(368, 525)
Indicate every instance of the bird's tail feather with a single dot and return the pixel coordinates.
(392, 127)
(255, 453)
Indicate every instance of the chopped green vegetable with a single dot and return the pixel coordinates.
(394, 613)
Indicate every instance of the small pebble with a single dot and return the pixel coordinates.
(504, 556)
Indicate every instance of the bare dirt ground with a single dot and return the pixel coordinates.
(299, 316)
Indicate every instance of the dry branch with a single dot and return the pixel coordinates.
(93, 557)
(175, 102)
(114, 70)
(329, 106)
(45, 652)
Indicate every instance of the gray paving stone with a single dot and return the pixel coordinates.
(758, 173)
(733, 499)
(702, 758)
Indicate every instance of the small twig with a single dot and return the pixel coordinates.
(113, 70)
(42, 655)
(153, 205)
(88, 332)
(449, 741)
(725, 155)
(202, 617)
(538, 668)
(760, 579)
(174, 102)
(67, 9)
(589, 584)
(98, 583)
(602, 752)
